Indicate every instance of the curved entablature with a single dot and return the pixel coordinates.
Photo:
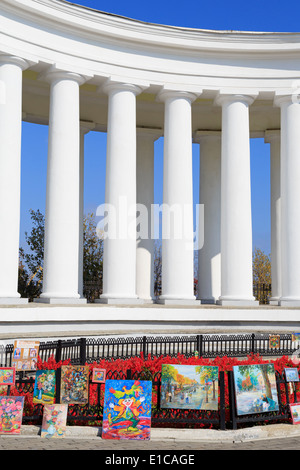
(101, 45)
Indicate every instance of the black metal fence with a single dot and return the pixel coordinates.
(88, 350)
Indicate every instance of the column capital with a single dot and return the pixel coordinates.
(151, 133)
(225, 98)
(168, 93)
(59, 73)
(15, 60)
(290, 98)
(111, 86)
(199, 136)
(272, 135)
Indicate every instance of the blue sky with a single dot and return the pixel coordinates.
(220, 15)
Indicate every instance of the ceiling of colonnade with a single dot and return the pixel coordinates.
(150, 112)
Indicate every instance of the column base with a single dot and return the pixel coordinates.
(210, 301)
(289, 302)
(60, 300)
(274, 301)
(119, 301)
(187, 302)
(13, 301)
(237, 302)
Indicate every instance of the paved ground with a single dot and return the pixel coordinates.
(163, 442)
(133, 448)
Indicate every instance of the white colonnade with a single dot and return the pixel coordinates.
(225, 261)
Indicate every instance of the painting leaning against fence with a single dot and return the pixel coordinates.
(189, 387)
(74, 387)
(11, 413)
(255, 388)
(127, 409)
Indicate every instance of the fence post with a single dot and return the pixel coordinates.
(222, 401)
(82, 351)
(253, 343)
(144, 346)
(128, 374)
(58, 351)
(200, 345)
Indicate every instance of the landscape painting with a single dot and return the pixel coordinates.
(11, 413)
(127, 409)
(189, 387)
(44, 387)
(74, 386)
(291, 374)
(54, 421)
(255, 388)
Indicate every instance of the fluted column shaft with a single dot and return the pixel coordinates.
(177, 213)
(209, 259)
(119, 261)
(236, 223)
(10, 175)
(290, 197)
(61, 253)
(273, 138)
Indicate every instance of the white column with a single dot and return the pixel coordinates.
(85, 127)
(273, 138)
(145, 200)
(177, 213)
(209, 259)
(236, 223)
(290, 197)
(10, 175)
(119, 259)
(61, 249)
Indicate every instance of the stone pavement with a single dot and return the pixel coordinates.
(179, 442)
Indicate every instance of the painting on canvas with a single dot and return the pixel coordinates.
(44, 387)
(98, 375)
(255, 388)
(291, 374)
(7, 375)
(74, 386)
(189, 387)
(127, 409)
(54, 421)
(11, 413)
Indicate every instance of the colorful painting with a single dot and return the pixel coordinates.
(98, 375)
(44, 387)
(11, 413)
(127, 409)
(74, 386)
(274, 341)
(25, 354)
(7, 375)
(54, 421)
(189, 387)
(255, 388)
(291, 374)
(295, 336)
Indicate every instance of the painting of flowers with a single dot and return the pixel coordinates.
(127, 409)
(11, 413)
(74, 387)
(255, 388)
(54, 421)
(44, 387)
(189, 387)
